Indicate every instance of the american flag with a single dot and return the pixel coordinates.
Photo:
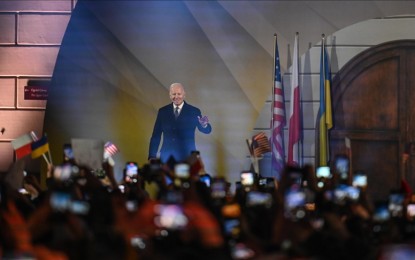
(260, 144)
(110, 148)
(278, 119)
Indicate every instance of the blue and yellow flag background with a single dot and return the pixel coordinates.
(325, 115)
(40, 147)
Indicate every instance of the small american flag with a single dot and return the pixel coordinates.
(260, 144)
(110, 148)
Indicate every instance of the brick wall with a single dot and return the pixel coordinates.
(31, 34)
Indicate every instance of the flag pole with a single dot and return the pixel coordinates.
(252, 155)
(49, 154)
(272, 101)
(300, 114)
(323, 53)
(349, 154)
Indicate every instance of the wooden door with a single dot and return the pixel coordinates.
(374, 106)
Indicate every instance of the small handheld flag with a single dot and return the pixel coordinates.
(40, 147)
(22, 145)
(260, 144)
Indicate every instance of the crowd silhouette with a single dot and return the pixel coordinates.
(177, 210)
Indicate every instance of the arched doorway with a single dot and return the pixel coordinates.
(374, 106)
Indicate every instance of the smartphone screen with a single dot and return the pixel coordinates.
(295, 201)
(218, 188)
(67, 153)
(342, 166)
(360, 181)
(255, 198)
(170, 216)
(323, 172)
(205, 179)
(396, 201)
(60, 201)
(247, 178)
(130, 172)
(381, 213)
(410, 211)
(131, 169)
(79, 207)
(182, 170)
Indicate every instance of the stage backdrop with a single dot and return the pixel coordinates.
(117, 60)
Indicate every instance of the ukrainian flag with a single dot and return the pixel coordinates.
(325, 115)
(40, 147)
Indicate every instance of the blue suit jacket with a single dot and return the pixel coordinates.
(178, 134)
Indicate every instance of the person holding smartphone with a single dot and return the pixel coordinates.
(177, 123)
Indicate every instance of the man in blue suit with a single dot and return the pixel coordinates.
(177, 122)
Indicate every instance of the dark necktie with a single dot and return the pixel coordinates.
(176, 112)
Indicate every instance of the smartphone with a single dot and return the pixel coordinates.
(323, 172)
(172, 197)
(206, 179)
(60, 201)
(360, 180)
(218, 188)
(381, 212)
(396, 204)
(63, 172)
(295, 198)
(256, 198)
(232, 227)
(67, 153)
(131, 169)
(182, 170)
(295, 204)
(79, 207)
(247, 178)
(131, 205)
(342, 166)
(196, 153)
(170, 217)
(410, 211)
